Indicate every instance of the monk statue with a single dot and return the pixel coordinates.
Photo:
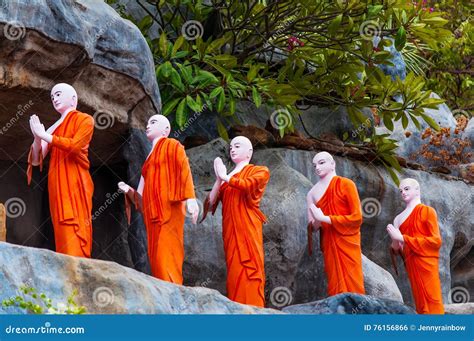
(165, 184)
(70, 185)
(334, 208)
(415, 233)
(241, 191)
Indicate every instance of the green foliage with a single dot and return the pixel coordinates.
(37, 303)
(385, 150)
(451, 75)
(287, 53)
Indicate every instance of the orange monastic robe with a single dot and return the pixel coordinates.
(70, 185)
(421, 251)
(242, 234)
(168, 182)
(340, 241)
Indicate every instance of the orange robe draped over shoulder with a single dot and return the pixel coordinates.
(168, 182)
(70, 185)
(422, 242)
(242, 234)
(340, 240)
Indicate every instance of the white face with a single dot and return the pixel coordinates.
(63, 98)
(240, 150)
(323, 165)
(157, 126)
(408, 191)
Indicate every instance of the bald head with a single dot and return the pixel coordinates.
(323, 156)
(158, 126)
(241, 149)
(161, 119)
(324, 164)
(409, 189)
(64, 97)
(410, 182)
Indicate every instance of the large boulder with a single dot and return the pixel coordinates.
(294, 276)
(381, 202)
(84, 43)
(350, 303)
(459, 309)
(87, 44)
(105, 287)
(286, 260)
(378, 282)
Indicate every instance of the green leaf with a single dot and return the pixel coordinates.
(221, 101)
(222, 131)
(252, 73)
(145, 24)
(432, 123)
(400, 39)
(392, 173)
(186, 72)
(192, 104)
(181, 54)
(416, 122)
(204, 79)
(356, 116)
(435, 20)
(181, 114)
(257, 99)
(335, 24)
(177, 44)
(373, 10)
(163, 44)
(350, 25)
(226, 60)
(169, 106)
(165, 69)
(217, 44)
(176, 79)
(232, 105)
(392, 161)
(216, 92)
(404, 121)
(387, 121)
